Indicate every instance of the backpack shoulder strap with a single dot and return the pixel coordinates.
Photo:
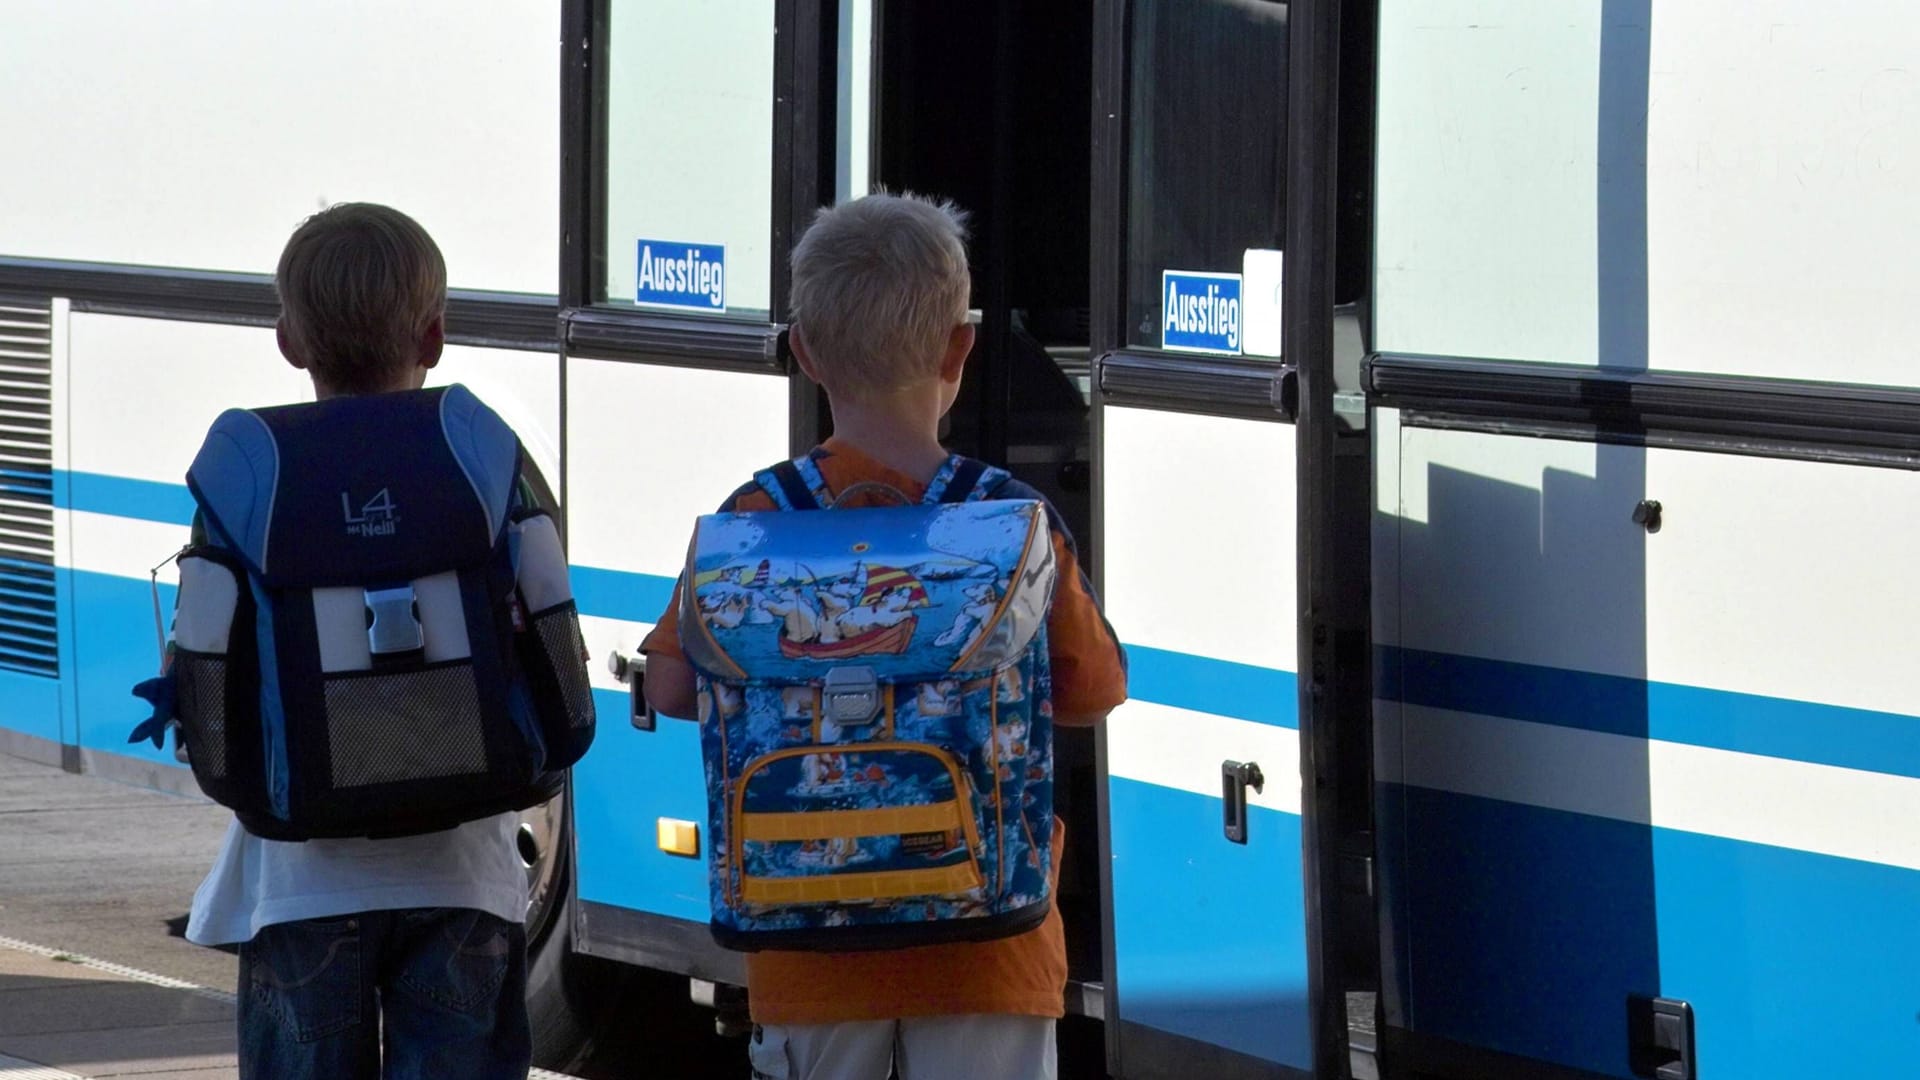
(795, 485)
(989, 485)
(233, 480)
(963, 479)
(487, 451)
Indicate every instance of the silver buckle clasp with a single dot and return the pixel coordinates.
(393, 621)
(850, 696)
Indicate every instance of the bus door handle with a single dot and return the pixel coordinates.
(632, 670)
(1235, 778)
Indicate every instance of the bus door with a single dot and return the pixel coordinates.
(1211, 890)
(712, 135)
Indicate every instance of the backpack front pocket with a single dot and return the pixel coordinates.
(859, 824)
(386, 727)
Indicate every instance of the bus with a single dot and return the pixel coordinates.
(1487, 422)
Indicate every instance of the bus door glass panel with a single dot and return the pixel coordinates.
(689, 185)
(1206, 180)
(1208, 969)
(854, 96)
(686, 238)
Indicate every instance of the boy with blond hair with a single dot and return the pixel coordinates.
(352, 951)
(879, 297)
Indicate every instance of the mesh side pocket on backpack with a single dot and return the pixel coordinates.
(201, 704)
(425, 723)
(559, 632)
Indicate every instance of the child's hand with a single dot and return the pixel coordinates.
(670, 687)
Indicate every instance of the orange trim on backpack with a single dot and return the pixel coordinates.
(839, 824)
(962, 794)
(865, 886)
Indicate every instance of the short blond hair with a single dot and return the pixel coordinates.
(878, 285)
(358, 285)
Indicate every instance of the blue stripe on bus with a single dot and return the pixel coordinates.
(146, 500)
(1209, 936)
(1525, 930)
(1183, 680)
(621, 789)
(30, 704)
(115, 647)
(1616, 705)
(1221, 687)
(617, 594)
(1727, 720)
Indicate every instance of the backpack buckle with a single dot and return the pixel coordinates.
(850, 696)
(393, 621)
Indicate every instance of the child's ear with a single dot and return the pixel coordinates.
(959, 347)
(803, 356)
(285, 341)
(433, 341)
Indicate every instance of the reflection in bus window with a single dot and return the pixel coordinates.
(690, 156)
(1207, 179)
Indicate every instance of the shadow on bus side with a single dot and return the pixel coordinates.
(1516, 800)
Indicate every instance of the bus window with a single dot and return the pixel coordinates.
(1202, 193)
(689, 179)
(196, 136)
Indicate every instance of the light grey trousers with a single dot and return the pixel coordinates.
(981, 1047)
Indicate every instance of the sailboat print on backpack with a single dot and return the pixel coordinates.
(875, 713)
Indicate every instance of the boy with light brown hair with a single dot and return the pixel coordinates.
(362, 958)
(879, 297)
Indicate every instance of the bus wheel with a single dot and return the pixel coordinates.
(566, 993)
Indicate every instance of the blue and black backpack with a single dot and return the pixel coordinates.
(375, 636)
(875, 713)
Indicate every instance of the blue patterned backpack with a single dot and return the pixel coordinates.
(875, 713)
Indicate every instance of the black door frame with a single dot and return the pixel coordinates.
(1313, 115)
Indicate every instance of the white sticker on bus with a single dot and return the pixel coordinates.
(1260, 301)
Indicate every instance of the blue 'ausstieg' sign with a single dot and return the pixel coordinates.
(1200, 312)
(690, 277)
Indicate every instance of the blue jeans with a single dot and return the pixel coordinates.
(446, 987)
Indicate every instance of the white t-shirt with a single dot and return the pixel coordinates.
(256, 883)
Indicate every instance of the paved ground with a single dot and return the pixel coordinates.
(95, 867)
(90, 868)
(95, 981)
(70, 1018)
